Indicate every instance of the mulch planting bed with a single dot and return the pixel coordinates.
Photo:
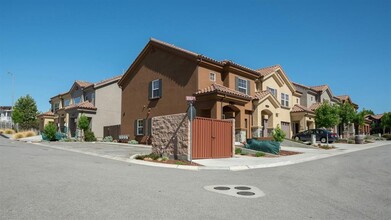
(175, 162)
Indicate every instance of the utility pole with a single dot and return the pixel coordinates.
(13, 88)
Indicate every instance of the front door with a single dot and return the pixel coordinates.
(265, 126)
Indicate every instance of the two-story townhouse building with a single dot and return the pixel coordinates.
(162, 75)
(6, 117)
(160, 78)
(100, 102)
(312, 97)
(6, 114)
(275, 97)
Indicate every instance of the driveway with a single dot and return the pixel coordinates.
(107, 150)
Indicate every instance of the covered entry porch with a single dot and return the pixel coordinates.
(302, 119)
(219, 102)
(73, 114)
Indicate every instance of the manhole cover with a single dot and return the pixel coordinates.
(241, 191)
(242, 188)
(245, 193)
(221, 188)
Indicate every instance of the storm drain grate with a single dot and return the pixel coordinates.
(221, 188)
(242, 188)
(240, 191)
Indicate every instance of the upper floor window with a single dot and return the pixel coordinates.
(67, 102)
(312, 98)
(56, 106)
(272, 91)
(212, 77)
(243, 85)
(284, 99)
(76, 100)
(155, 89)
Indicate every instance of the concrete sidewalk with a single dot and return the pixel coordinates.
(307, 154)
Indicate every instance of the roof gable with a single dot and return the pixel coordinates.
(278, 74)
(266, 95)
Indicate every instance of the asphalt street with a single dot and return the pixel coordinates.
(37, 182)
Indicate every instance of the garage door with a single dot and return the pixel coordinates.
(286, 127)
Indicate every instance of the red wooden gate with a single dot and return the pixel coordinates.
(212, 138)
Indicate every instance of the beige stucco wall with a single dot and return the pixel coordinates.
(280, 114)
(108, 104)
(309, 101)
(325, 96)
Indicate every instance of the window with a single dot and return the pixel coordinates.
(297, 101)
(139, 127)
(66, 102)
(76, 100)
(242, 85)
(155, 89)
(272, 91)
(312, 98)
(212, 77)
(284, 99)
(56, 106)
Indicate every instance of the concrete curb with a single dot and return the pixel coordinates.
(218, 168)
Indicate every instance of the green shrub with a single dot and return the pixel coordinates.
(133, 142)
(50, 132)
(140, 157)
(387, 136)
(59, 136)
(89, 136)
(351, 141)
(278, 134)
(154, 156)
(108, 139)
(83, 123)
(238, 150)
(259, 154)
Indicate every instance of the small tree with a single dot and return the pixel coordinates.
(359, 118)
(385, 121)
(83, 123)
(327, 116)
(347, 113)
(278, 134)
(25, 113)
(50, 131)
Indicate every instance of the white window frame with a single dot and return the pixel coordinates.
(74, 100)
(56, 106)
(140, 126)
(212, 77)
(65, 102)
(272, 91)
(241, 86)
(284, 100)
(155, 89)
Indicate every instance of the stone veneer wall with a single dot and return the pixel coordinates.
(170, 135)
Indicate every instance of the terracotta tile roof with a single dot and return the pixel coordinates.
(5, 107)
(49, 113)
(109, 80)
(222, 89)
(82, 105)
(300, 108)
(300, 85)
(320, 88)
(343, 97)
(83, 83)
(379, 116)
(262, 94)
(201, 56)
(315, 106)
(268, 70)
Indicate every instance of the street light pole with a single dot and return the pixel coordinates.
(13, 88)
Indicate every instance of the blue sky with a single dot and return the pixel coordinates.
(345, 44)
